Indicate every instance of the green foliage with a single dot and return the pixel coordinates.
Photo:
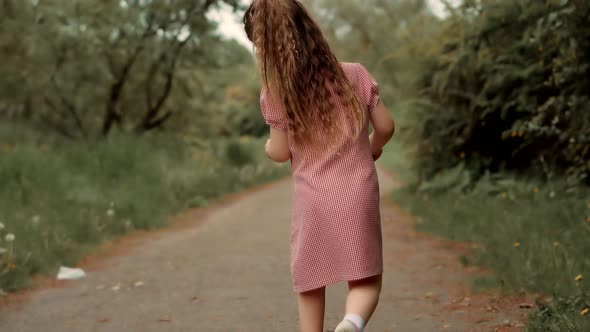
(507, 89)
(532, 234)
(562, 316)
(241, 102)
(382, 42)
(61, 200)
(104, 75)
(395, 158)
(237, 154)
(85, 68)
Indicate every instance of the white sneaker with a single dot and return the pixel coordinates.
(346, 326)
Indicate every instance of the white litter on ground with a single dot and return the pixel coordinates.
(67, 273)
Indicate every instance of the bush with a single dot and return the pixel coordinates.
(508, 89)
(237, 154)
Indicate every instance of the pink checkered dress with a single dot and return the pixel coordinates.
(335, 225)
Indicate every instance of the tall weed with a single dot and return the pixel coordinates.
(60, 201)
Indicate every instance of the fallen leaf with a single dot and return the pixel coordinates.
(525, 305)
(466, 302)
(165, 320)
(104, 320)
(491, 308)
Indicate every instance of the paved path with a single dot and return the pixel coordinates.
(227, 269)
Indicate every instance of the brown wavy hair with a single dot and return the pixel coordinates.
(301, 71)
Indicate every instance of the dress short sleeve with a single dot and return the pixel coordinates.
(368, 87)
(273, 115)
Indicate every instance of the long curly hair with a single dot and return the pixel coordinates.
(301, 72)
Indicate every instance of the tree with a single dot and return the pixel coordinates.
(379, 33)
(87, 67)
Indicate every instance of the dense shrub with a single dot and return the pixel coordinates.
(508, 88)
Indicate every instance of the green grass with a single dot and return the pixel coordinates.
(535, 241)
(61, 200)
(534, 236)
(395, 158)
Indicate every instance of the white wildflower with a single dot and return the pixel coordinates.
(3, 251)
(35, 220)
(110, 212)
(128, 223)
(9, 237)
(1, 226)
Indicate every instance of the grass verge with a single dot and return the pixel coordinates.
(533, 235)
(58, 201)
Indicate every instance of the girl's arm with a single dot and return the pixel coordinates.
(383, 129)
(277, 147)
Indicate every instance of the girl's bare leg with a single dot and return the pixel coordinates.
(311, 310)
(363, 296)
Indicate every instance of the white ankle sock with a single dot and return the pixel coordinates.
(356, 320)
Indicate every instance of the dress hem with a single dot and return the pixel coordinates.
(337, 280)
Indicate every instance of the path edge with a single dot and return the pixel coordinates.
(102, 253)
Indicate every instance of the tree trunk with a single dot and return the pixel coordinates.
(112, 113)
(8, 8)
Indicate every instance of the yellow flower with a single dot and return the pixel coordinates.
(578, 277)
(462, 155)
(536, 190)
(584, 312)
(245, 139)
(6, 147)
(504, 195)
(556, 244)
(516, 244)
(588, 219)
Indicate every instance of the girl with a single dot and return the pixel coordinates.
(318, 110)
